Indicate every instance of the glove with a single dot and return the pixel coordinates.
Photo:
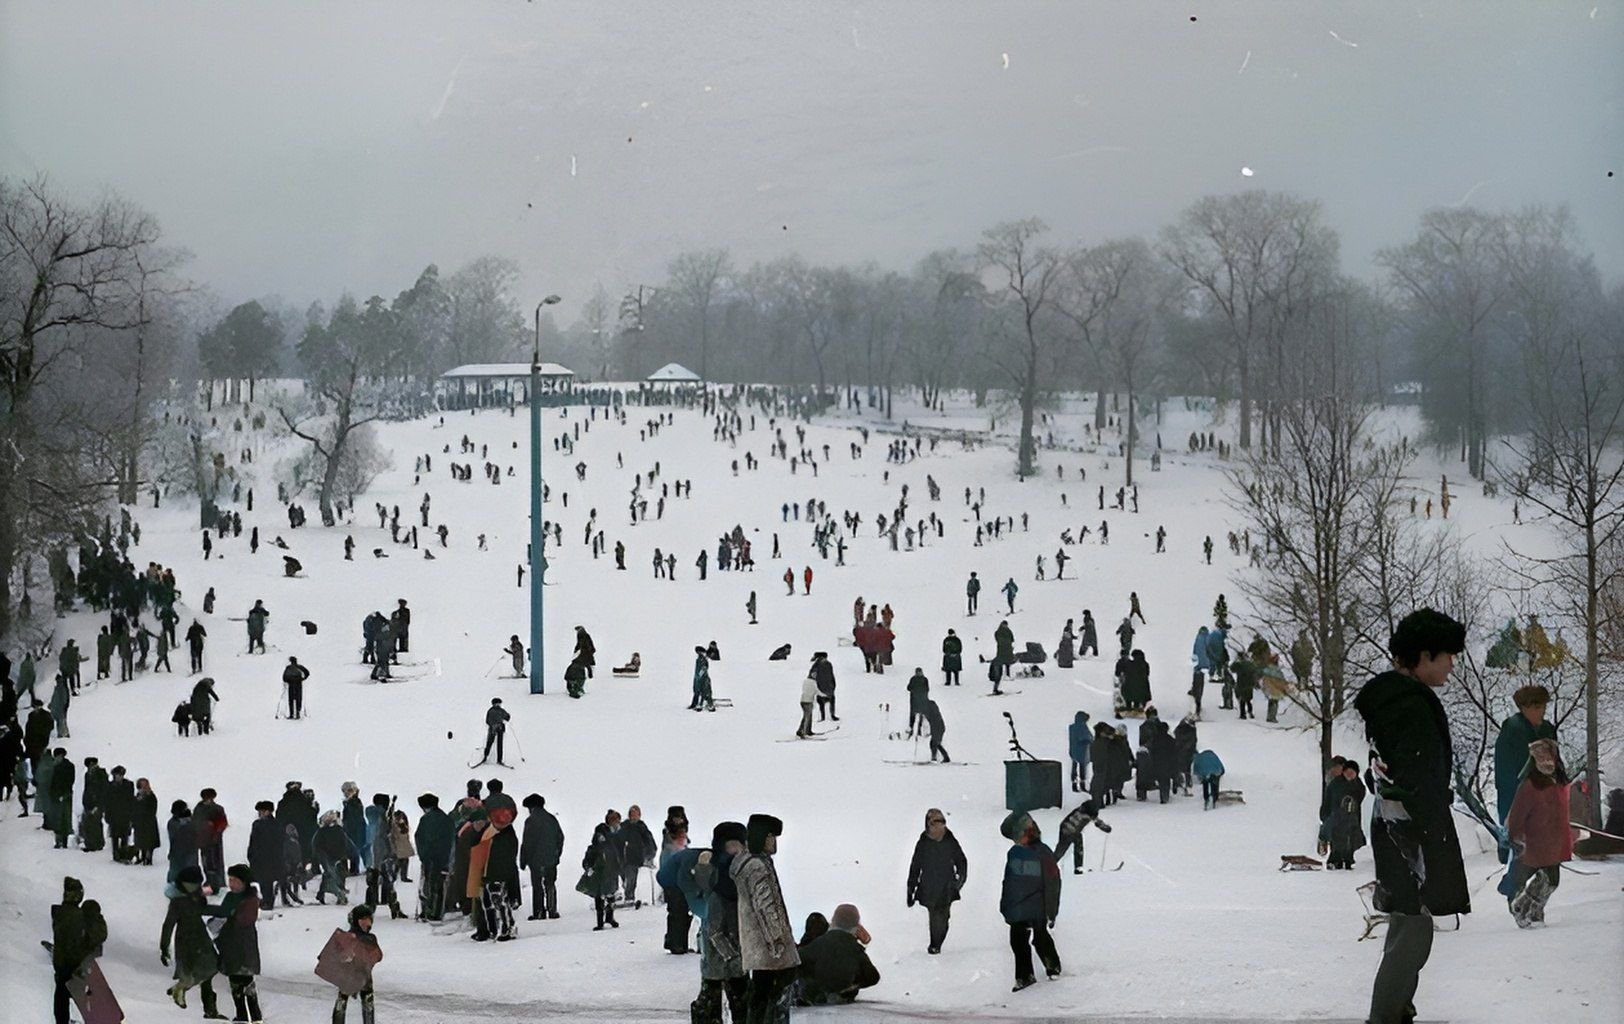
(1323, 847)
(1051, 924)
(163, 957)
(1102, 826)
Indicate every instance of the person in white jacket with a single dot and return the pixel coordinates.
(809, 697)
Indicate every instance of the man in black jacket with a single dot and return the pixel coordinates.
(265, 858)
(1419, 872)
(539, 850)
(434, 837)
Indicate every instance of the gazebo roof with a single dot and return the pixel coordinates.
(674, 372)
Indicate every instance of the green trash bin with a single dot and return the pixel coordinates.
(1030, 785)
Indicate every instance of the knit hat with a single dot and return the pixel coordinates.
(759, 828)
(264, 805)
(359, 911)
(241, 872)
(73, 890)
(428, 800)
(1014, 825)
(846, 919)
(726, 831)
(191, 874)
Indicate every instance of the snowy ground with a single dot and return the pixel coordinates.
(1198, 925)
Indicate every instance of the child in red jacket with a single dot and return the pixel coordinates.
(1539, 830)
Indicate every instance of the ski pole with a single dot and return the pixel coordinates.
(495, 663)
(282, 699)
(1104, 844)
(519, 747)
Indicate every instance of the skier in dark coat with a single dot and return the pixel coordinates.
(293, 680)
(496, 720)
(952, 658)
(918, 694)
(1071, 833)
(938, 728)
(195, 639)
(1419, 871)
(196, 961)
(435, 839)
(936, 875)
(824, 673)
(539, 853)
(586, 652)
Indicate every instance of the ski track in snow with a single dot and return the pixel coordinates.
(1198, 921)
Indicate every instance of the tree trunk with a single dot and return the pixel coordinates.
(1099, 408)
(1133, 432)
(1245, 439)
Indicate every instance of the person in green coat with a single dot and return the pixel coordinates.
(1511, 762)
(195, 960)
(952, 658)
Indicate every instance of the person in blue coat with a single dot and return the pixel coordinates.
(1511, 763)
(1030, 898)
(1079, 737)
(1210, 770)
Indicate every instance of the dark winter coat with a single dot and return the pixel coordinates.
(543, 842)
(265, 849)
(195, 957)
(719, 957)
(952, 654)
(1119, 766)
(1340, 814)
(71, 942)
(94, 793)
(435, 837)
(834, 966)
(1004, 637)
(331, 844)
(503, 863)
(209, 822)
(1246, 676)
(238, 944)
(296, 809)
(585, 650)
(144, 821)
(1031, 890)
(824, 674)
(938, 870)
(203, 699)
(1409, 730)
(1079, 738)
(918, 693)
(182, 842)
(355, 826)
(1186, 739)
(1164, 753)
(602, 862)
(119, 806)
(1064, 653)
(1099, 753)
(1511, 756)
(637, 845)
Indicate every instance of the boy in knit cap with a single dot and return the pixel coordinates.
(1030, 900)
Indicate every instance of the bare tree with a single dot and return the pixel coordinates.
(951, 303)
(1028, 276)
(697, 279)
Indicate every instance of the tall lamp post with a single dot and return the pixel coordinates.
(537, 684)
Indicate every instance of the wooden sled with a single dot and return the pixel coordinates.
(1230, 796)
(1594, 844)
(625, 673)
(1298, 862)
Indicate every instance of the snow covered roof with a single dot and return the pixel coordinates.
(674, 372)
(507, 370)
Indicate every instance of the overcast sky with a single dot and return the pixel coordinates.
(306, 148)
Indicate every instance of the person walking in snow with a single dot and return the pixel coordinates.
(972, 590)
(196, 961)
(952, 658)
(195, 638)
(702, 683)
(932, 713)
(585, 650)
(257, 617)
(936, 875)
(1419, 870)
(824, 672)
(1078, 739)
(1089, 642)
(1538, 830)
(1010, 590)
(539, 853)
(1030, 898)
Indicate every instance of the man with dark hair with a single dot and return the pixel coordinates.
(1419, 871)
(1511, 762)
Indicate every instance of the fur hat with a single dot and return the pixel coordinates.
(535, 800)
(73, 890)
(264, 805)
(428, 800)
(359, 911)
(191, 874)
(726, 831)
(1014, 825)
(1531, 697)
(241, 872)
(759, 827)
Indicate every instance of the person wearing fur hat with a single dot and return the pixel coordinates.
(766, 940)
(209, 822)
(600, 868)
(361, 928)
(381, 856)
(936, 875)
(120, 812)
(436, 839)
(1071, 833)
(196, 962)
(539, 851)
(332, 851)
(1030, 898)
(182, 839)
(1537, 827)
(835, 966)
(265, 850)
(1340, 816)
(355, 827)
(238, 941)
(74, 940)
(721, 969)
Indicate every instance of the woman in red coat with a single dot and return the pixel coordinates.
(1539, 831)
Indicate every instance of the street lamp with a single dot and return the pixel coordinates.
(537, 684)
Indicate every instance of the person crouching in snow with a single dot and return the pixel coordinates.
(1071, 833)
(1030, 900)
(835, 966)
(1538, 829)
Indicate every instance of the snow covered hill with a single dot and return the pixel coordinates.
(1198, 924)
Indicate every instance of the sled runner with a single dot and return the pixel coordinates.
(1593, 844)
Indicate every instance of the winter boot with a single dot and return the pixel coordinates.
(1025, 982)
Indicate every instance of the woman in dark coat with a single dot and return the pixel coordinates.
(238, 943)
(952, 658)
(195, 960)
(1099, 765)
(355, 828)
(1120, 764)
(120, 809)
(332, 851)
(144, 821)
(1063, 653)
(601, 867)
(936, 875)
(182, 839)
